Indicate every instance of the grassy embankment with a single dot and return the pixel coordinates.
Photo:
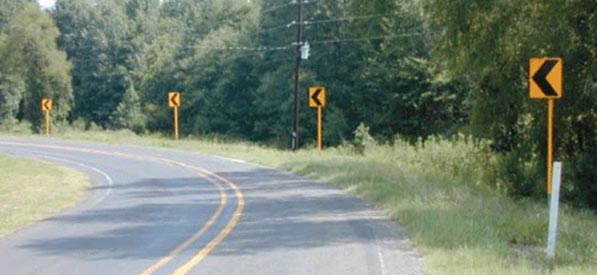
(443, 193)
(32, 190)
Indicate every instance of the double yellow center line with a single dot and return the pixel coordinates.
(212, 177)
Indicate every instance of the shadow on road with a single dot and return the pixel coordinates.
(148, 218)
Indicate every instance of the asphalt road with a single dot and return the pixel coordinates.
(158, 211)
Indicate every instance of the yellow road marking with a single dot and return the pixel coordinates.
(154, 267)
(185, 268)
(206, 250)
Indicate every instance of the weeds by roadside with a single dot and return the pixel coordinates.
(444, 192)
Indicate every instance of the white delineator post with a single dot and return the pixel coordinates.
(553, 210)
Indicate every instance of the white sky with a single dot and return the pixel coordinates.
(46, 3)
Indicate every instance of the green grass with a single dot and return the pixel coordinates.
(33, 190)
(443, 193)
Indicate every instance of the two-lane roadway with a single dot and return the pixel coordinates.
(158, 211)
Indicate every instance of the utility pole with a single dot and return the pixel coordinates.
(299, 43)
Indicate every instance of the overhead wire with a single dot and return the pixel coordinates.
(244, 48)
(328, 20)
(357, 39)
(344, 19)
(281, 6)
(321, 21)
(260, 49)
(256, 54)
(277, 7)
(286, 26)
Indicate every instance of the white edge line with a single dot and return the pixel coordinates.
(97, 170)
(230, 159)
(382, 263)
(105, 175)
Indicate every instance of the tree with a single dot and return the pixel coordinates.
(96, 38)
(128, 113)
(32, 67)
(490, 43)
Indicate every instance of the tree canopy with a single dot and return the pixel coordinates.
(31, 66)
(409, 69)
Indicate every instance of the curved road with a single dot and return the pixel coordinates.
(158, 211)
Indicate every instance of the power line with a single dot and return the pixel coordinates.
(369, 38)
(238, 48)
(343, 19)
(281, 6)
(316, 42)
(313, 22)
(244, 48)
(323, 21)
(285, 26)
(277, 7)
(230, 58)
(259, 54)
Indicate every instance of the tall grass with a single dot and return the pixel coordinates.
(444, 192)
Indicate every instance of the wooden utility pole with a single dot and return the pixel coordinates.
(299, 43)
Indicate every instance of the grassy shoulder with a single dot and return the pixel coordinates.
(32, 190)
(442, 192)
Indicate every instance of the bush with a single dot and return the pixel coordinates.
(582, 186)
(361, 139)
(519, 174)
(19, 128)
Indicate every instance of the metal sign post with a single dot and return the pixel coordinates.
(550, 107)
(546, 81)
(175, 122)
(320, 128)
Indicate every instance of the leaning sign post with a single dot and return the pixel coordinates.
(317, 99)
(546, 81)
(46, 107)
(174, 101)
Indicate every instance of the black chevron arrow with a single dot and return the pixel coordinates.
(173, 100)
(315, 97)
(46, 104)
(540, 77)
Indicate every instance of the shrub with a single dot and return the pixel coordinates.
(361, 139)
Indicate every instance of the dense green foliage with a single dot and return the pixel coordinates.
(413, 69)
(31, 66)
(497, 38)
(234, 63)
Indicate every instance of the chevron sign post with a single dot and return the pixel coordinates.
(318, 99)
(546, 81)
(46, 107)
(174, 102)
